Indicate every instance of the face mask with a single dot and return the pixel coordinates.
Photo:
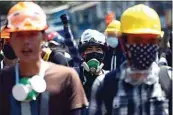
(112, 41)
(142, 56)
(98, 56)
(93, 66)
(29, 88)
(9, 52)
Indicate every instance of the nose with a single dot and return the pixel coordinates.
(94, 49)
(26, 40)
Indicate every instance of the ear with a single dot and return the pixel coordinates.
(123, 42)
(44, 36)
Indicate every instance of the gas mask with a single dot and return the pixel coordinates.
(142, 56)
(93, 62)
(28, 89)
(112, 42)
(9, 52)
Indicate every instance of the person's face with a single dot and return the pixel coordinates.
(27, 44)
(92, 49)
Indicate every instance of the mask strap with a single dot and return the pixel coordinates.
(17, 73)
(2, 64)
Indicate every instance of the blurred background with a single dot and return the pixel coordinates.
(95, 15)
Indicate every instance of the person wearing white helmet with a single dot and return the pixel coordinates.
(92, 48)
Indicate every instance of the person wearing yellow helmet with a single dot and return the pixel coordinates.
(34, 86)
(8, 56)
(134, 88)
(114, 56)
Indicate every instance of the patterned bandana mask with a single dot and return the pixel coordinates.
(142, 56)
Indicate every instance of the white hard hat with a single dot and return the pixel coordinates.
(91, 35)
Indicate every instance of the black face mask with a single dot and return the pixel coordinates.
(98, 56)
(9, 52)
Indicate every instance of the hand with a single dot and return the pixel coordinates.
(64, 19)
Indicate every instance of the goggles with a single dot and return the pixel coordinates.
(143, 39)
(26, 20)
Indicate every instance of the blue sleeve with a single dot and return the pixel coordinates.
(72, 46)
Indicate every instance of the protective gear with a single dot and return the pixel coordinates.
(142, 56)
(92, 66)
(26, 16)
(112, 41)
(114, 26)
(94, 36)
(29, 89)
(4, 33)
(55, 38)
(96, 55)
(141, 19)
(93, 60)
(9, 52)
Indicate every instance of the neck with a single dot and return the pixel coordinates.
(95, 74)
(9, 62)
(29, 68)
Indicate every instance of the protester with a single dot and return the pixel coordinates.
(92, 48)
(134, 89)
(114, 57)
(34, 86)
(8, 57)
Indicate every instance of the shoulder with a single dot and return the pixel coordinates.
(7, 78)
(112, 75)
(7, 71)
(61, 70)
(157, 92)
(61, 74)
(60, 78)
(166, 70)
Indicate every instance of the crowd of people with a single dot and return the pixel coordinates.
(123, 71)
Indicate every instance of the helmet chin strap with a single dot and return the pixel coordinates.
(86, 67)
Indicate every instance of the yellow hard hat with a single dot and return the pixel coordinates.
(141, 19)
(114, 26)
